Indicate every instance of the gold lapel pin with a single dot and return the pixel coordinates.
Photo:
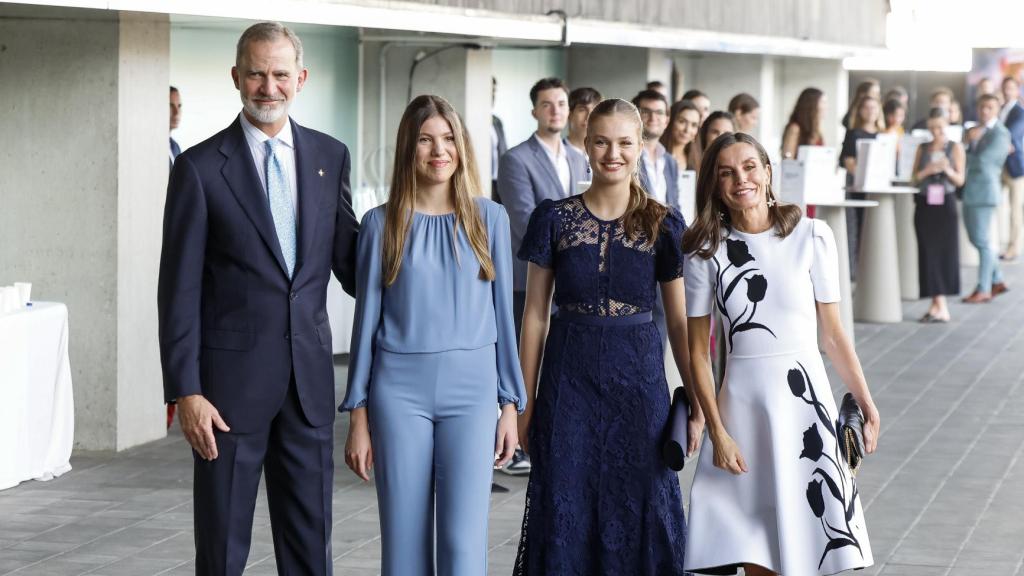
(321, 172)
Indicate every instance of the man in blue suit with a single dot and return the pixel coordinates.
(175, 122)
(257, 216)
(1012, 116)
(659, 172)
(988, 143)
(543, 167)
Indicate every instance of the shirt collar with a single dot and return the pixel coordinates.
(991, 123)
(259, 136)
(659, 152)
(561, 149)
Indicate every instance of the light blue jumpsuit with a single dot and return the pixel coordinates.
(432, 357)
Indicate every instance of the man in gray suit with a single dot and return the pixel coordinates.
(543, 167)
(988, 143)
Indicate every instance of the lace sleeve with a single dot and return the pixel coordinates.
(669, 257)
(539, 241)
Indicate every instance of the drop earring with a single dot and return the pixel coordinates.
(771, 198)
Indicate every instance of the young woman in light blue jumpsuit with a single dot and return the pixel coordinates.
(433, 353)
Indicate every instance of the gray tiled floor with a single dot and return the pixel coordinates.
(944, 496)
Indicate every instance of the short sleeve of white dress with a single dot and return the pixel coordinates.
(700, 286)
(824, 264)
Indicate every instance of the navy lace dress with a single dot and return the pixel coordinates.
(600, 499)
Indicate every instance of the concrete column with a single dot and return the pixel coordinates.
(463, 77)
(82, 199)
(143, 72)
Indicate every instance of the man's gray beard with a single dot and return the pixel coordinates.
(650, 137)
(267, 115)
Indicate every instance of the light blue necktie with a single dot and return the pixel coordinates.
(281, 204)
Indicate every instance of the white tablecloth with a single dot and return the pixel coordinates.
(37, 413)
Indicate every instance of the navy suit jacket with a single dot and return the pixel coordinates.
(1015, 124)
(671, 181)
(233, 327)
(526, 178)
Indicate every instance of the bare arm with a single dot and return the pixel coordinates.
(540, 284)
(727, 454)
(844, 358)
(790, 141)
(673, 295)
(955, 171)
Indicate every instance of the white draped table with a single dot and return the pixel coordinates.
(878, 295)
(37, 414)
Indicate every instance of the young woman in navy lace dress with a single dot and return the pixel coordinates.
(600, 499)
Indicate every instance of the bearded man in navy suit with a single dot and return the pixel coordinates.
(257, 216)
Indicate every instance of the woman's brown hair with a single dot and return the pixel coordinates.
(668, 140)
(807, 117)
(465, 185)
(643, 213)
(713, 221)
(856, 122)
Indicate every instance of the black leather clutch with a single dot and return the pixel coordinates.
(677, 437)
(851, 432)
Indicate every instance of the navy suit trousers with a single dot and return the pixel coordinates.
(297, 460)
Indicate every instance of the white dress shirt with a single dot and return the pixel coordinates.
(561, 163)
(256, 139)
(656, 172)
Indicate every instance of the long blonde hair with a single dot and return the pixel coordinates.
(465, 185)
(643, 214)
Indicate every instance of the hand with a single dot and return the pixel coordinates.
(197, 418)
(727, 454)
(694, 429)
(358, 448)
(974, 133)
(507, 436)
(524, 429)
(872, 422)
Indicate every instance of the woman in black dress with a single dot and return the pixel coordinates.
(865, 123)
(938, 172)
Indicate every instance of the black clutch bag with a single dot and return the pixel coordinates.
(851, 432)
(677, 436)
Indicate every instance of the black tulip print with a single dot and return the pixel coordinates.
(815, 498)
(839, 483)
(796, 382)
(813, 445)
(756, 287)
(738, 254)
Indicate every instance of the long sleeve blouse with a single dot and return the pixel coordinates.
(438, 302)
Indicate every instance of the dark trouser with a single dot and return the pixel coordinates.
(298, 462)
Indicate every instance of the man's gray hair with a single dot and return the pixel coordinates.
(268, 32)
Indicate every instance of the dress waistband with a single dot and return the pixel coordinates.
(594, 320)
(793, 352)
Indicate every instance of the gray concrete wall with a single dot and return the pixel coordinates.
(82, 175)
(58, 187)
(616, 72)
(855, 22)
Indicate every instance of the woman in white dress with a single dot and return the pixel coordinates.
(772, 493)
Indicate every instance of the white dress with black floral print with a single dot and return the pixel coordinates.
(796, 511)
